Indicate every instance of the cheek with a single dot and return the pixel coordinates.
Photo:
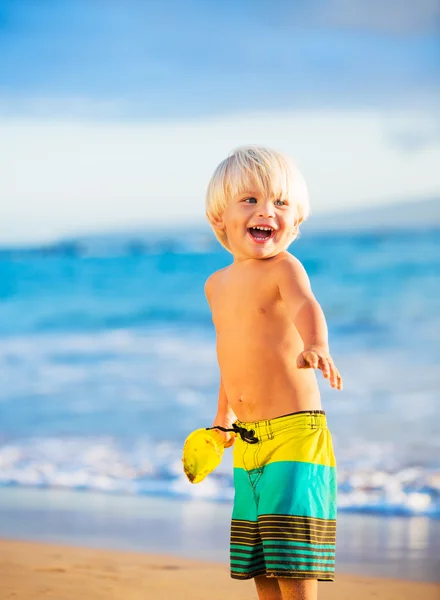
(236, 219)
(289, 224)
(235, 223)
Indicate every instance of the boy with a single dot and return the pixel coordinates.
(271, 334)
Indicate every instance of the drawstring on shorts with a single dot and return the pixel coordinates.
(247, 435)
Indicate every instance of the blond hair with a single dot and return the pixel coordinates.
(249, 166)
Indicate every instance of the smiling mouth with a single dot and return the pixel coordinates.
(261, 234)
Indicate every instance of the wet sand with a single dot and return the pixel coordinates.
(31, 570)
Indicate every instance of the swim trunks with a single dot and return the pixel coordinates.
(284, 515)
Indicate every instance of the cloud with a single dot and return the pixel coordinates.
(65, 177)
(414, 137)
(404, 17)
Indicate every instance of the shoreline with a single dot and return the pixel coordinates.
(367, 546)
(31, 569)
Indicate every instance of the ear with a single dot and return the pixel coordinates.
(297, 223)
(217, 223)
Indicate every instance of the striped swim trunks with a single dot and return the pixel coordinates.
(284, 515)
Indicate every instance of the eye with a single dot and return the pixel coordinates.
(280, 202)
(251, 200)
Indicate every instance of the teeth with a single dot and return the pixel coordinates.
(263, 228)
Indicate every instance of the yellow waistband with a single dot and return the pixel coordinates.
(307, 419)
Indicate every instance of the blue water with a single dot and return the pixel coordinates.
(107, 362)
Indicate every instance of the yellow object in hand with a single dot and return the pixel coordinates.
(202, 453)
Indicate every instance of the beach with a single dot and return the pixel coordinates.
(289, 151)
(62, 545)
(36, 570)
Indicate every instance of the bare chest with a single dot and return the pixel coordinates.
(244, 302)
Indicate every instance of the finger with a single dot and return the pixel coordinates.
(338, 378)
(300, 362)
(340, 384)
(311, 359)
(306, 360)
(324, 366)
(230, 442)
(333, 375)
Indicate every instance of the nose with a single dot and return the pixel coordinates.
(266, 209)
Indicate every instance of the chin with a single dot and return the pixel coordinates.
(265, 252)
(270, 249)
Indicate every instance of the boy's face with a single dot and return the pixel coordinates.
(258, 225)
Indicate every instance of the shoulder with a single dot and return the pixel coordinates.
(212, 282)
(287, 265)
(289, 271)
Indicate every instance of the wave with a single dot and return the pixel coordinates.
(144, 468)
(194, 241)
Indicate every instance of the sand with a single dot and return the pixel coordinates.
(30, 570)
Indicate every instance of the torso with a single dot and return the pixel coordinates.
(258, 344)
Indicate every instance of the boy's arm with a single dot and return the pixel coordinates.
(225, 415)
(306, 313)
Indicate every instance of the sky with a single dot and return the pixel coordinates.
(114, 114)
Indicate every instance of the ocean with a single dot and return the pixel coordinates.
(107, 363)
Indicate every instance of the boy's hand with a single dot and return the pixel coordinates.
(315, 357)
(228, 438)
